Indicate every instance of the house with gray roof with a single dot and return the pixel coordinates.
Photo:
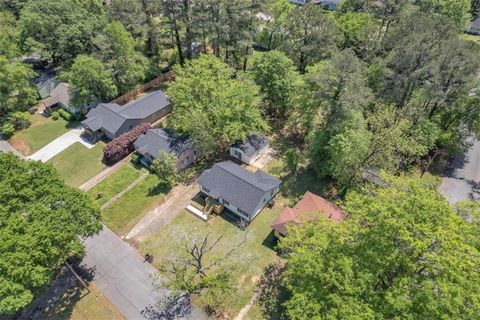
(110, 120)
(243, 192)
(249, 150)
(155, 141)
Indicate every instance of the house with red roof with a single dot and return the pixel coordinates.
(309, 207)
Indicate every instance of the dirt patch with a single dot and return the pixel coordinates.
(255, 279)
(20, 145)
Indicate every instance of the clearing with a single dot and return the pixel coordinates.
(125, 212)
(77, 164)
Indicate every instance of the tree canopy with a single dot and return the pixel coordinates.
(41, 222)
(211, 106)
(403, 252)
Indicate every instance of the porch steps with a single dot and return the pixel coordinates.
(197, 212)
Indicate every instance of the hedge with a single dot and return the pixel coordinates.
(120, 147)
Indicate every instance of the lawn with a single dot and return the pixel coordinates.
(41, 131)
(79, 304)
(245, 265)
(124, 213)
(77, 164)
(115, 183)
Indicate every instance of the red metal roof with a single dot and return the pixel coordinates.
(305, 209)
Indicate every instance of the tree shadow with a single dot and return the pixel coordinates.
(272, 293)
(161, 188)
(270, 241)
(171, 308)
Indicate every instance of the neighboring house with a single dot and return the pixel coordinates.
(45, 82)
(242, 192)
(110, 120)
(59, 97)
(250, 149)
(150, 144)
(474, 27)
(306, 210)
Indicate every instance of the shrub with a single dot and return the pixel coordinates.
(8, 129)
(136, 159)
(165, 167)
(67, 116)
(120, 147)
(55, 115)
(19, 120)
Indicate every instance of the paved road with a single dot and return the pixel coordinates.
(6, 147)
(123, 277)
(59, 144)
(464, 181)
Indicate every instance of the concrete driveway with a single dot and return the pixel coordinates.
(123, 277)
(59, 144)
(464, 181)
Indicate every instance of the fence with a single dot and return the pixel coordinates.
(158, 82)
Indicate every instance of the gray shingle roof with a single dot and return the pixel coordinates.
(111, 116)
(255, 142)
(59, 94)
(240, 187)
(157, 140)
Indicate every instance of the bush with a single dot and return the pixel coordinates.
(136, 158)
(67, 116)
(120, 147)
(55, 115)
(19, 120)
(8, 129)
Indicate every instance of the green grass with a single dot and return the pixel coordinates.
(124, 213)
(245, 265)
(77, 164)
(40, 133)
(114, 183)
(79, 304)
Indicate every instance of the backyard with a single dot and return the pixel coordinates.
(77, 164)
(41, 131)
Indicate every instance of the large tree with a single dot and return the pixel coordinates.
(131, 14)
(41, 222)
(90, 80)
(404, 252)
(62, 29)
(116, 47)
(16, 92)
(213, 108)
(9, 35)
(277, 78)
(312, 35)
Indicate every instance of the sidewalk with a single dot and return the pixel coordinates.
(104, 174)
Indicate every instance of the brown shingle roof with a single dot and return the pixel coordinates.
(305, 210)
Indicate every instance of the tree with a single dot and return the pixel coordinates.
(90, 80)
(403, 252)
(292, 160)
(457, 11)
(211, 107)
(277, 78)
(42, 220)
(117, 50)
(17, 92)
(359, 30)
(62, 29)
(9, 36)
(312, 35)
(165, 167)
(131, 14)
(196, 271)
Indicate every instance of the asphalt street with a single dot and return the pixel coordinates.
(464, 180)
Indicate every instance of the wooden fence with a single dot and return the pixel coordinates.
(158, 82)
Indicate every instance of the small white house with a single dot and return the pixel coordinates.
(249, 150)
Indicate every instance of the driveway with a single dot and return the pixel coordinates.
(6, 147)
(123, 277)
(59, 144)
(464, 181)
(264, 158)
